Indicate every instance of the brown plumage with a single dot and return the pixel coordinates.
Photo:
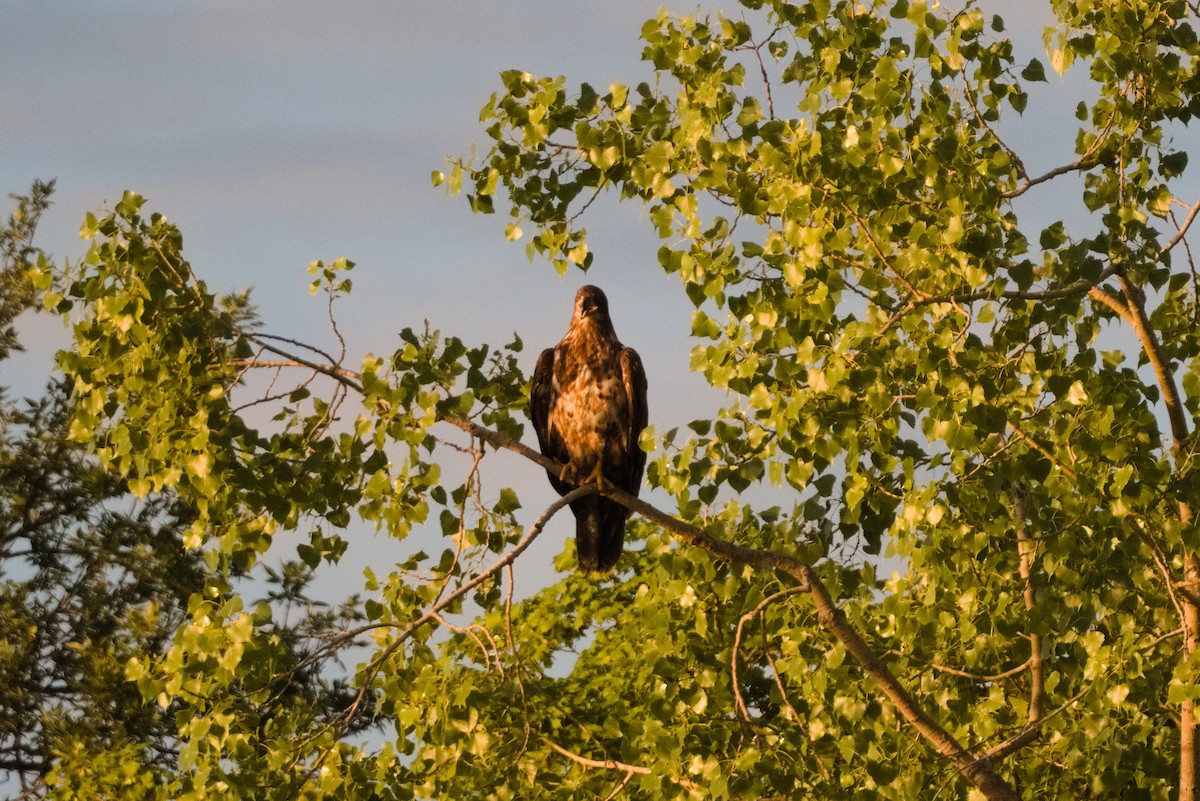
(588, 404)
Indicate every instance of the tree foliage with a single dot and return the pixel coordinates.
(997, 411)
(91, 579)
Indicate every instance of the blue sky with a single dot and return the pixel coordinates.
(274, 133)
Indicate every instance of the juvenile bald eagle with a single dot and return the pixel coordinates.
(588, 404)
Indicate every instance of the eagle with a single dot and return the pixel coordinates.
(588, 405)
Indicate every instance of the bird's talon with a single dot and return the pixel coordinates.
(596, 478)
(570, 474)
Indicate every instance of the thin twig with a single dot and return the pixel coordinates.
(609, 764)
(964, 674)
(489, 657)
(1183, 229)
(355, 708)
(740, 703)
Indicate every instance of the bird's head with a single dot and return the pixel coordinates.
(590, 302)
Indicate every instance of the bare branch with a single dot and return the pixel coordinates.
(979, 773)
(620, 786)
(610, 764)
(1182, 230)
(331, 367)
(356, 708)
(1075, 288)
(737, 644)
(965, 674)
(490, 656)
(1030, 731)
(1084, 162)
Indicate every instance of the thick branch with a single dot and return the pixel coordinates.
(1140, 321)
(755, 557)
(1189, 742)
(978, 772)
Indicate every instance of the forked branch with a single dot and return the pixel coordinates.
(979, 772)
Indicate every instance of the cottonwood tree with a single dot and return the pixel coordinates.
(1000, 411)
(90, 579)
(85, 581)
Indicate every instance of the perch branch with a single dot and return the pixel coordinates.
(978, 772)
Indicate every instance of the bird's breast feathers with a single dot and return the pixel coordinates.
(590, 409)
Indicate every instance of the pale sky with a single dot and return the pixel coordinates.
(274, 133)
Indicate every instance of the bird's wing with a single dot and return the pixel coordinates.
(633, 378)
(541, 398)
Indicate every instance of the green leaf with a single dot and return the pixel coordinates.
(1034, 71)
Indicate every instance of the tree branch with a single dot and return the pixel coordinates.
(965, 674)
(355, 709)
(610, 764)
(1084, 162)
(1027, 552)
(1037, 446)
(739, 702)
(1139, 319)
(333, 369)
(978, 772)
(1182, 231)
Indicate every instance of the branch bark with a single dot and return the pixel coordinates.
(1027, 552)
(1139, 319)
(978, 771)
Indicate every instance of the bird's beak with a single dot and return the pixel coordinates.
(587, 307)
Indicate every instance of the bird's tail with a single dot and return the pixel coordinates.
(599, 534)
